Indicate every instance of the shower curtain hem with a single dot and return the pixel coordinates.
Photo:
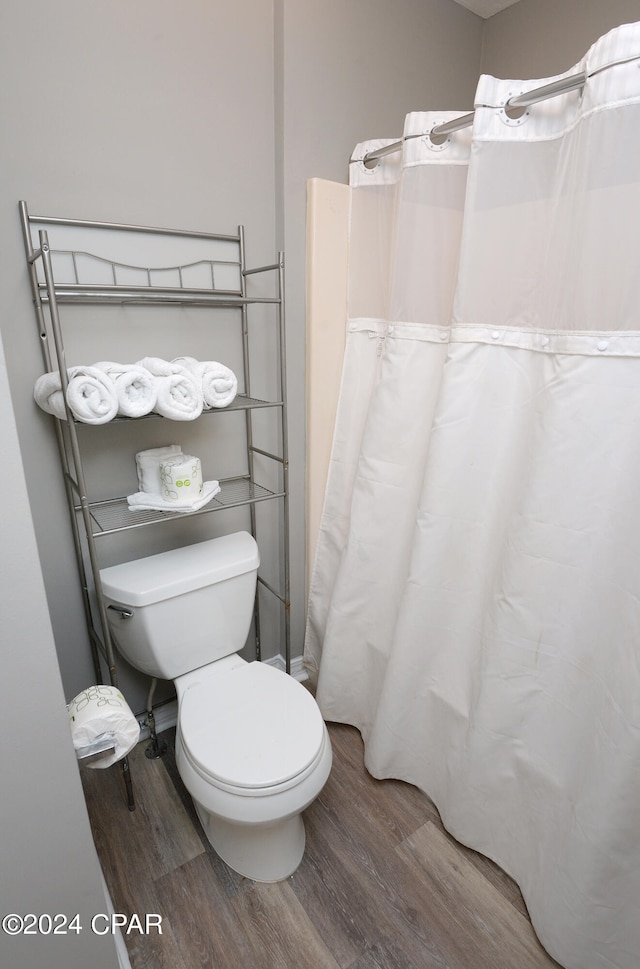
(466, 842)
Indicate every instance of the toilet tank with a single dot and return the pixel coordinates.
(189, 606)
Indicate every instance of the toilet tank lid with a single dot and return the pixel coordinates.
(180, 570)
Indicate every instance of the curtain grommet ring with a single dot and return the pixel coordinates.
(439, 142)
(514, 117)
(370, 167)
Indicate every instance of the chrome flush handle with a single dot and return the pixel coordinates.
(122, 612)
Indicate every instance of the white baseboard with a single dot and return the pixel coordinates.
(121, 950)
(166, 716)
(298, 671)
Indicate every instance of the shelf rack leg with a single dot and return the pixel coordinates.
(157, 747)
(126, 775)
(285, 464)
(249, 426)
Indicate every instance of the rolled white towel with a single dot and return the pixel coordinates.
(143, 501)
(219, 383)
(91, 395)
(48, 395)
(179, 393)
(148, 466)
(136, 388)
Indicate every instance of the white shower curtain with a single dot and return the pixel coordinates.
(475, 602)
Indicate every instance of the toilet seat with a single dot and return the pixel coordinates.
(251, 730)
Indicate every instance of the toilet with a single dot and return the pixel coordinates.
(251, 746)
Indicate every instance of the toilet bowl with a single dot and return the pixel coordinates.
(252, 748)
(273, 760)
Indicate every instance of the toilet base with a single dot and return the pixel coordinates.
(262, 852)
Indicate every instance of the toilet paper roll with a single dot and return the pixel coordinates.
(100, 718)
(181, 479)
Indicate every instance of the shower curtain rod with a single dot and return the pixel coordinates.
(562, 86)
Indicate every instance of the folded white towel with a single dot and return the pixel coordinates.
(91, 395)
(136, 388)
(179, 394)
(144, 502)
(219, 383)
(148, 466)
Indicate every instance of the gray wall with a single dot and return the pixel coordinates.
(197, 116)
(350, 70)
(540, 38)
(49, 864)
(154, 113)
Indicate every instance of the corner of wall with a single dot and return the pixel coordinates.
(278, 120)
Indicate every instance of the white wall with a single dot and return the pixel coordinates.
(327, 252)
(49, 864)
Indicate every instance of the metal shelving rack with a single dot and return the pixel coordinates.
(90, 520)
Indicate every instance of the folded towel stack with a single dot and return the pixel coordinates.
(148, 466)
(170, 481)
(179, 389)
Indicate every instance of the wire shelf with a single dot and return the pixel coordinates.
(114, 515)
(240, 402)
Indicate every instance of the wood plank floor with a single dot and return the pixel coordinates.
(381, 886)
